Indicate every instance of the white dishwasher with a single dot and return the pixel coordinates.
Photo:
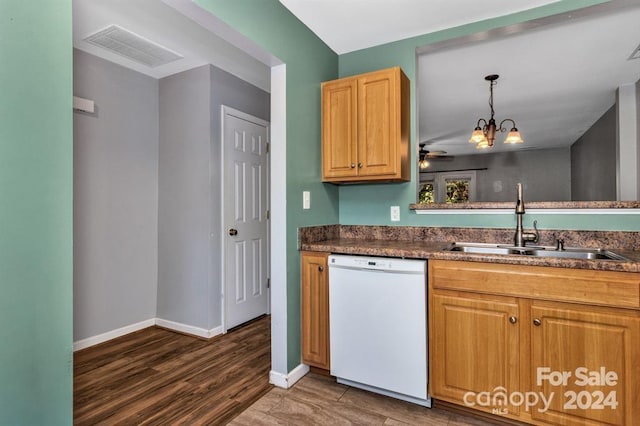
(378, 325)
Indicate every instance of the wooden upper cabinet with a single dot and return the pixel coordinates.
(365, 128)
(339, 129)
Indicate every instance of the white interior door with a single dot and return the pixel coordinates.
(245, 216)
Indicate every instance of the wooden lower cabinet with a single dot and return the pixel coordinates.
(494, 350)
(598, 353)
(467, 332)
(315, 309)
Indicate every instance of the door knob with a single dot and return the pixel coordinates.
(233, 232)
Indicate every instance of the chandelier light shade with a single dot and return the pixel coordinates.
(483, 144)
(513, 136)
(485, 131)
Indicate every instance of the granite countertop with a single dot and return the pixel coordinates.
(437, 250)
(556, 205)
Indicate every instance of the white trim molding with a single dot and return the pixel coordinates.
(109, 335)
(278, 232)
(171, 325)
(285, 381)
(189, 329)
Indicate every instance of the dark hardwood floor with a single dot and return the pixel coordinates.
(156, 376)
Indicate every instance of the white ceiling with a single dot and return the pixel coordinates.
(452, 92)
(378, 21)
(555, 82)
(160, 23)
(348, 25)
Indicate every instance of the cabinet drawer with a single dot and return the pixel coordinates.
(607, 288)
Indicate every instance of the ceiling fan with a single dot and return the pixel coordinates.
(425, 155)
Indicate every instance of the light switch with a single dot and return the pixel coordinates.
(395, 213)
(306, 200)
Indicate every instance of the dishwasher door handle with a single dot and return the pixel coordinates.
(373, 270)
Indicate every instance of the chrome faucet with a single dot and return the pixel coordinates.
(521, 237)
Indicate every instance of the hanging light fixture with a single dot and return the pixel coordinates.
(423, 163)
(424, 155)
(485, 135)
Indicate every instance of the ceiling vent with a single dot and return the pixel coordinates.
(636, 53)
(132, 46)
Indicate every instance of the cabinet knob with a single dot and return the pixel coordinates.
(359, 165)
(513, 320)
(537, 322)
(320, 268)
(353, 165)
(233, 232)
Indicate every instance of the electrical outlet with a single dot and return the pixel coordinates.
(306, 200)
(395, 213)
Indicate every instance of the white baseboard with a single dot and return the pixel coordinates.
(189, 329)
(171, 325)
(101, 338)
(285, 381)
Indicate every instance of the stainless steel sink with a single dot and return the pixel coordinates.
(578, 253)
(537, 251)
(485, 248)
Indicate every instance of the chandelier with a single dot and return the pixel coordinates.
(485, 135)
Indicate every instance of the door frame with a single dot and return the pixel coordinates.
(224, 111)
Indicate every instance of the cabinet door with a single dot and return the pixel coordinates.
(474, 348)
(379, 123)
(339, 127)
(582, 341)
(315, 309)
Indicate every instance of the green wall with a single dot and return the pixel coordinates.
(35, 212)
(36, 180)
(309, 61)
(369, 204)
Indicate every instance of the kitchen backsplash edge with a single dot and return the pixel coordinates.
(628, 240)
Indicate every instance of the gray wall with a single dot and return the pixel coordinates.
(189, 208)
(183, 203)
(147, 194)
(115, 197)
(505, 169)
(593, 161)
